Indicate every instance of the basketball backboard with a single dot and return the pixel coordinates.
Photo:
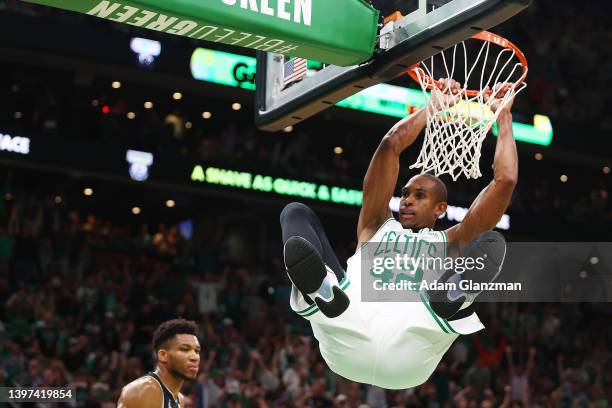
(429, 27)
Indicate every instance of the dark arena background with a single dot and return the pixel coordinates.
(135, 188)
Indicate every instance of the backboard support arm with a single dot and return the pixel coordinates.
(408, 43)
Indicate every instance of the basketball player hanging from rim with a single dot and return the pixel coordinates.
(398, 345)
(177, 351)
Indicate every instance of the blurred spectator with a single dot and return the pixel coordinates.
(80, 294)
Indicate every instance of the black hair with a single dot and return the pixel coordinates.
(439, 189)
(167, 330)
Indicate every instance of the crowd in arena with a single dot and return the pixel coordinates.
(81, 293)
(81, 297)
(229, 140)
(52, 103)
(562, 56)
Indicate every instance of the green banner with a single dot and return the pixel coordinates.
(339, 32)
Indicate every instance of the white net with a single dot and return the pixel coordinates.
(456, 128)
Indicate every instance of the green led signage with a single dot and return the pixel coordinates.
(540, 133)
(386, 99)
(212, 66)
(390, 100)
(279, 185)
(306, 189)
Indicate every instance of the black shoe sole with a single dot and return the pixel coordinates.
(489, 245)
(442, 305)
(336, 306)
(307, 271)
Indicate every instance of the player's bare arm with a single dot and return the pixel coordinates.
(381, 177)
(492, 202)
(141, 393)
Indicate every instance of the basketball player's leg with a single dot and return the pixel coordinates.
(490, 249)
(298, 219)
(311, 263)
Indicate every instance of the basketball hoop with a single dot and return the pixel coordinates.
(455, 132)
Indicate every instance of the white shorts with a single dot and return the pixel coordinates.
(392, 345)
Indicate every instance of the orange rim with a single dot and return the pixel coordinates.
(484, 36)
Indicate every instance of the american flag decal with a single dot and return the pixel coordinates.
(295, 70)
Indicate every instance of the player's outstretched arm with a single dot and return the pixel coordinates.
(488, 208)
(381, 177)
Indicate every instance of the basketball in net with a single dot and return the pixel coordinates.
(456, 127)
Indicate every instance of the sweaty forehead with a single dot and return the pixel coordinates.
(419, 182)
